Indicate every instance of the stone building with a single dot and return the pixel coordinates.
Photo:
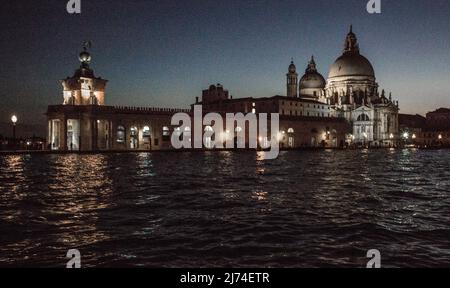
(352, 91)
(430, 131)
(84, 123)
(346, 109)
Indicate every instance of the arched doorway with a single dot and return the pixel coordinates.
(120, 137)
(239, 139)
(147, 137)
(134, 138)
(208, 141)
(291, 142)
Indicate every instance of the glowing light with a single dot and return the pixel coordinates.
(391, 136)
(406, 135)
(14, 119)
(440, 137)
(280, 136)
(414, 136)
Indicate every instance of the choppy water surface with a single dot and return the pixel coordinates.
(227, 209)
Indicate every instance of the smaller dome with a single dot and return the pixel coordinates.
(312, 81)
(312, 78)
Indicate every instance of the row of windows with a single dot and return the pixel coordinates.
(312, 114)
(307, 105)
(146, 133)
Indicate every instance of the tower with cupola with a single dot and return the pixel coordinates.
(83, 88)
(292, 81)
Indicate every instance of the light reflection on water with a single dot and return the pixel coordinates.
(304, 209)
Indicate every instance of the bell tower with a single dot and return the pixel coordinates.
(292, 81)
(83, 88)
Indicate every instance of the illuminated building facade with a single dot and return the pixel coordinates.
(84, 123)
(351, 91)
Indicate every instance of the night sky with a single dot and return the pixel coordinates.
(163, 53)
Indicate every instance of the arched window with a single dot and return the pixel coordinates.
(208, 140)
(363, 117)
(134, 131)
(134, 138)
(146, 134)
(146, 131)
(120, 134)
(166, 131)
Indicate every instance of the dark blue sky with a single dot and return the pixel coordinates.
(163, 53)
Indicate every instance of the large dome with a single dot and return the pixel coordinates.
(351, 65)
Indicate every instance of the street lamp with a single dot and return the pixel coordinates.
(14, 121)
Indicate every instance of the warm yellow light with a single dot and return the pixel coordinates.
(391, 136)
(414, 136)
(280, 136)
(14, 119)
(440, 136)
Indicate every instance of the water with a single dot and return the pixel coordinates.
(226, 209)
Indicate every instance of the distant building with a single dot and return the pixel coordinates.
(344, 110)
(351, 92)
(430, 131)
(84, 123)
(439, 119)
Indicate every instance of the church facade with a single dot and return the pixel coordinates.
(344, 110)
(352, 92)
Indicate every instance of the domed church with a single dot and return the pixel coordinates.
(352, 92)
(312, 83)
